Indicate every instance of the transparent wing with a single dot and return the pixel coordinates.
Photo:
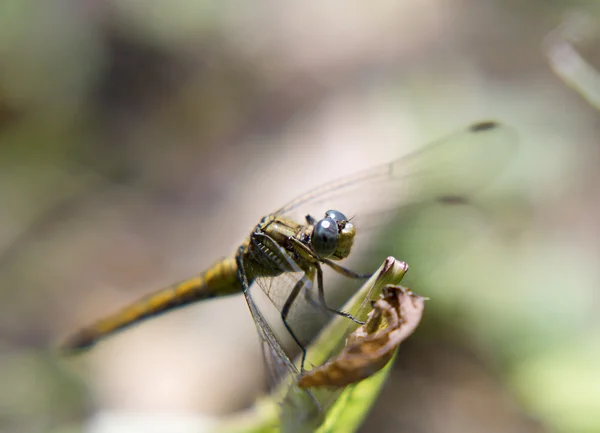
(300, 409)
(277, 360)
(292, 290)
(453, 168)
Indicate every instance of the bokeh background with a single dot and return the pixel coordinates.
(141, 140)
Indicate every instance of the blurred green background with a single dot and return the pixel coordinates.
(141, 140)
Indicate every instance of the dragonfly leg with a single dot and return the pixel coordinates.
(285, 310)
(262, 326)
(322, 298)
(241, 272)
(285, 262)
(306, 253)
(345, 271)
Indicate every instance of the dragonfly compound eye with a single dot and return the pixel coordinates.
(324, 237)
(336, 215)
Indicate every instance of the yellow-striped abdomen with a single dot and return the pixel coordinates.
(219, 280)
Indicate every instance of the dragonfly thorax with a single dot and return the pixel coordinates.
(333, 236)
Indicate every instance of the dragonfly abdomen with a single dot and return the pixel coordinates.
(219, 280)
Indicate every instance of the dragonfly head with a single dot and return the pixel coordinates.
(333, 236)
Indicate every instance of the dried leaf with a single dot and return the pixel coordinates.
(395, 316)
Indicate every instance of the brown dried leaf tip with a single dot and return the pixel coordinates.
(394, 317)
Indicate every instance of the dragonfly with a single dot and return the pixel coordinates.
(287, 252)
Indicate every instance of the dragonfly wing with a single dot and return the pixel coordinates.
(452, 168)
(278, 362)
(299, 407)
